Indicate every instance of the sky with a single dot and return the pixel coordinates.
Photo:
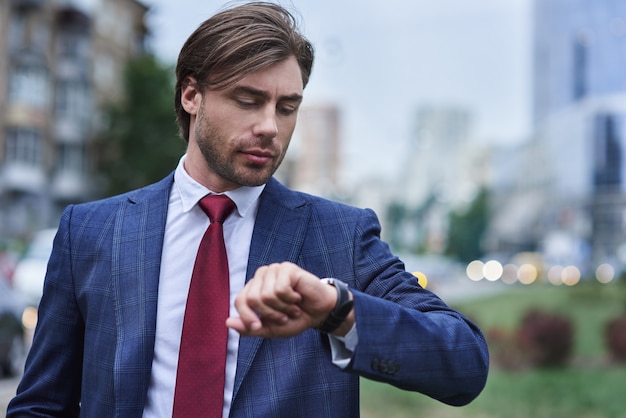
(379, 61)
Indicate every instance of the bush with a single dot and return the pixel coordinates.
(546, 339)
(504, 350)
(615, 338)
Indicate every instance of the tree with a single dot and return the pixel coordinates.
(140, 144)
(467, 228)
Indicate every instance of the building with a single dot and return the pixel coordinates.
(437, 153)
(579, 49)
(60, 62)
(314, 159)
(568, 199)
(444, 169)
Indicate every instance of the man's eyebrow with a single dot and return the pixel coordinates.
(251, 91)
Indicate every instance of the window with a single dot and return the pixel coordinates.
(73, 44)
(72, 100)
(23, 146)
(17, 28)
(580, 64)
(71, 157)
(29, 85)
(41, 36)
(608, 151)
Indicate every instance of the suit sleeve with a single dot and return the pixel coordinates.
(50, 386)
(409, 337)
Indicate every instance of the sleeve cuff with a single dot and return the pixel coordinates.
(342, 348)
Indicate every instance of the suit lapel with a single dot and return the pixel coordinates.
(137, 247)
(279, 232)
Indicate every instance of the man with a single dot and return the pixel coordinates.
(120, 280)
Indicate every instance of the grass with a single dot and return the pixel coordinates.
(589, 388)
(580, 393)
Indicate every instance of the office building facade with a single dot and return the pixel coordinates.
(61, 61)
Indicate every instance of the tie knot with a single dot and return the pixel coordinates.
(217, 207)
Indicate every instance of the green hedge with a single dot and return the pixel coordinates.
(589, 386)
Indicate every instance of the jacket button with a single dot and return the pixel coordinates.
(375, 363)
(385, 366)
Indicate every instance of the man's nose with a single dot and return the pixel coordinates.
(266, 124)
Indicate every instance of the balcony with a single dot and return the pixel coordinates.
(71, 130)
(69, 185)
(23, 177)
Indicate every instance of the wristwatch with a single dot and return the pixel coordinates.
(342, 307)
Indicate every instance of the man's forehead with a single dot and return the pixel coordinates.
(283, 78)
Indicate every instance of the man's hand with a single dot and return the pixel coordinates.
(282, 300)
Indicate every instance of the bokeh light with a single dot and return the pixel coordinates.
(421, 278)
(555, 275)
(509, 273)
(492, 270)
(474, 270)
(29, 318)
(605, 273)
(571, 275)
(527, 273)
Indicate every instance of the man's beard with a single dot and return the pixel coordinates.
(210, 142)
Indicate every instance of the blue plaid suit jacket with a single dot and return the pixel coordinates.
(93, 346)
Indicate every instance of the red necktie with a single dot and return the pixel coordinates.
(202, 358)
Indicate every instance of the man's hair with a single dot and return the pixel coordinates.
(235, 43)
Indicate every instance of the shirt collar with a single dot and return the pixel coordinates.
(190, 191)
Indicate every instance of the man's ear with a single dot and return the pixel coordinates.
(191, 96)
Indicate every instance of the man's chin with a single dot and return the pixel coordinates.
(254, 179)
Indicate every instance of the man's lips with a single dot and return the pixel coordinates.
(259, 157)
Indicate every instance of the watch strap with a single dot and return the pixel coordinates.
(342, 308)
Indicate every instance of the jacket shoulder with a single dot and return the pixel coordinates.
(283, 196)
(143, 193)
(100, 210)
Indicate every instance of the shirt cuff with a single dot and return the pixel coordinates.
(342, 348)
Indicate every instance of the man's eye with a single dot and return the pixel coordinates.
(287, 110)
(246, 102)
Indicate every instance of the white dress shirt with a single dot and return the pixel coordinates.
(185, 225)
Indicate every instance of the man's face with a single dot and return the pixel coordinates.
(239, 135)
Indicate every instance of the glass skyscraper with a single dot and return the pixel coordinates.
(579, 52)
(570, 187)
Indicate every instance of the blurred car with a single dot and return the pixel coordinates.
(17, 320)
(30, 271)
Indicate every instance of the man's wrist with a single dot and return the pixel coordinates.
(342, 309)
